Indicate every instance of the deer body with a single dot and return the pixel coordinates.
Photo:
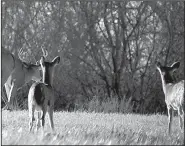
(174, 92)
(174, 95)
(22, 75)
(41, 94)
(41, 97)
(16, 73)
(8, 65)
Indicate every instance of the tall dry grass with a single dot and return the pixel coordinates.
(110, 105)
(92, 128)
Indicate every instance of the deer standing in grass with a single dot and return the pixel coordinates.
(15, 73)
(41, 96)
(174, 92)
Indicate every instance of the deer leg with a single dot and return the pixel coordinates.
(6, 93)
(38, 120)
(5, 98)
(31, 116)
(10, 92)
(43, 117)
(181, 115)
(169, 119)
(50, 111)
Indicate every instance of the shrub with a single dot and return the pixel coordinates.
(110, 105)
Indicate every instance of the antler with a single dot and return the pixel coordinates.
(29, 58)
(45, 52)
(19, 55)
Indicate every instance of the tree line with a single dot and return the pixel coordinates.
(108, 49)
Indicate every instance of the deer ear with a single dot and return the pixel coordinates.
(56, 60)
(175, 65)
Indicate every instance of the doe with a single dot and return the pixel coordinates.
(41, 96)
(174, 92)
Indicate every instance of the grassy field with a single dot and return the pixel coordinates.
(92, 128)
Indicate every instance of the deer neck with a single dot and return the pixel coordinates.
(166, 80)
(163, 84)
(47, 79)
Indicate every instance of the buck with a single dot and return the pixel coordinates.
(41, 96)
(15, 73)
(174, 92)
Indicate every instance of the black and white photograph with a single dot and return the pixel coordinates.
(84, 72)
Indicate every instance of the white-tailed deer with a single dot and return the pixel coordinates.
(174, 92)
(15, 73)
(41, 96)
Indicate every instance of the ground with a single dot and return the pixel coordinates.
(92, 128)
